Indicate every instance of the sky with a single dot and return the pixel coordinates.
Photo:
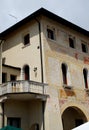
(13, 11)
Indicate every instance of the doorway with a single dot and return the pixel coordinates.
(26, 72)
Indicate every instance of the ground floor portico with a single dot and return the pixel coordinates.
(26, 113)
(22, 104)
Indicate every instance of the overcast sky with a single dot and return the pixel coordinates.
(75, 11)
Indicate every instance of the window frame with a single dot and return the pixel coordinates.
(10, 121)
(5, 77)
(13, 77)
(85, 77)
(64, 69)
(51, 33)
(72, 43)
(26, 39)
(26, 70)
(84, 47)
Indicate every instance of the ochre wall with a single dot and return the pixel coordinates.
(57, 52)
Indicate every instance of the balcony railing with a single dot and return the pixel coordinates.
(22, 86)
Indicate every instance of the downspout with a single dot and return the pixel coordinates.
(41, 59)
(1, 41)
(2, 103)
(42, 75)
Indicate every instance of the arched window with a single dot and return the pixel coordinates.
(85, 74)
(64, 73)
(26, 72)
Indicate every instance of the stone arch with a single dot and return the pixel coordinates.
(73, 116)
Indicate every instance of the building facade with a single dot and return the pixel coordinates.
(44, 74)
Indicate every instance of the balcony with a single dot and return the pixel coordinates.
(23, 87)
(65, 86)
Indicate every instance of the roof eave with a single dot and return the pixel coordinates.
(48, 14)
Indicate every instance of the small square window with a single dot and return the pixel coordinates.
(50, 34)
(84, 48)
(72, 42)
(12, 77)
(26, 39)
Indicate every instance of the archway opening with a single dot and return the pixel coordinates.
(26, 72)
(72, 117)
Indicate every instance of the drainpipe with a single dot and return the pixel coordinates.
(42, 76)
(2, 103)
(1, 41)
(40, 41)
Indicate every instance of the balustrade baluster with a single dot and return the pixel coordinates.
(22, 86)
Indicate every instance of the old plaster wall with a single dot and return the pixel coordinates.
(56, 52)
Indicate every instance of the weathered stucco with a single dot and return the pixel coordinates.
(54, 53)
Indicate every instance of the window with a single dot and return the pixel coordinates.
(85, 74)
(12, 77)
(16, 122)
(4, 77)
(71, 42)
(64, 73)
(84, 48)
(51, 34)
(26, 39)
(26, 72)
